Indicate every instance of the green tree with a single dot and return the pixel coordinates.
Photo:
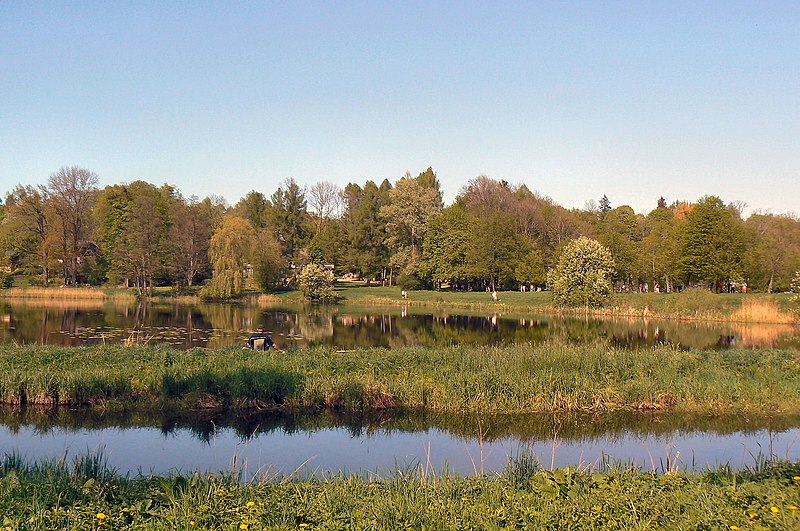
(531, 270)
(444, 250)
(230, 250)
(618, 232)
(189, 236)
(495, 250)
(269, 265)
(711, 248)
(26, 229)
(413, 202)
(289, 217)
(772, 251)
(364, 229)
(316, 283)
(255, 208)
(660, 248)
(583, 275)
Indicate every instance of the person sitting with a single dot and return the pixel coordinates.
(260, 340)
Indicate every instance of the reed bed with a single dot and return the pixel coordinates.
(548, 377)
(83, 493)
(67, 293)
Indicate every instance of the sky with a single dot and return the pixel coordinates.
(635, 100)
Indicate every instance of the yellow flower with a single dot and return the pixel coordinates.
(303, 525)
(242, 526)
(753, 516)
(774, 509)
(796, 478)
(735, 528)
(250, 504)
(192, 523)
(793, 507)
(101, 516)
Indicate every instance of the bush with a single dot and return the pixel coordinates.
(796, 287)
(583, 275)
(6, 280)
(316, 283)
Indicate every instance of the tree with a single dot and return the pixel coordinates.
(71, 191)
(711, 249)
(253, 207)
(269, 266)
(289, 217)
(230, 251)
(26, 229)
(618, 232)
(605, 205)
(662, 203)
(660, 247)
(583, 275)
(316, 283)
(413, 202)
(773, 250)
(364, 229)
(530, 269)
(444, 250)
(495, 250)
(323, 198)
(190, 234)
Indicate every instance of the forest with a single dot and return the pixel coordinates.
(494, 235)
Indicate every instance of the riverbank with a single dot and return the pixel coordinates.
(547, 377)
(83, 493)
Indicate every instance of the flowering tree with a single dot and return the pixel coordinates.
(583, 275)
(316, 283)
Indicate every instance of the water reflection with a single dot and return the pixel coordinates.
(215, 325)
(167, 441)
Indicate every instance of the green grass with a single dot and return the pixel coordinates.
(546, 377)
(85, 494)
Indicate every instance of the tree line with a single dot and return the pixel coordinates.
(494, 235)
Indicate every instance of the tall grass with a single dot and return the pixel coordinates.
(519, 378)
(67, 293)
(63, 495)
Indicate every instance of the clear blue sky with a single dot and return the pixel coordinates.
(575, 99)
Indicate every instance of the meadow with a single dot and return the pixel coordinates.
(83, 493)
(546, 377)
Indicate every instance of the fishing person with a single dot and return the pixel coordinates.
(261, 340)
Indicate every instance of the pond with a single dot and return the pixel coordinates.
(217, 325)
(269, 445)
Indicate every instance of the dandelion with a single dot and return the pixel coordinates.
(774, 509)
(242, 526)
(735, 528)
(796, 478)
(793, 507)
(101, 516)
(752, 516)
(192, 523)
(250, 504)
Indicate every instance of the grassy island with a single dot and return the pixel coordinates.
(547, 377)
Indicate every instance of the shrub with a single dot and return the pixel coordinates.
(583, 275)
(5, 280)
(796, 286)
(316, 283)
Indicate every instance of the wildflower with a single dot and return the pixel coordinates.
(242, 526)
(101, 516)
(250, 504)
(793, 507)
(735, 528)
(796, 478)
(303, 525)
(192, 523)
(774, 509)
(752, 516)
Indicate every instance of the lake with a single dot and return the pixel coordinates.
(270, 445)
(217, 325)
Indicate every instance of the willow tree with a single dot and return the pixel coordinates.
(230, 251)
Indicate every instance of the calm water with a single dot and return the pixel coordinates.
(281, 444)
(214, 325)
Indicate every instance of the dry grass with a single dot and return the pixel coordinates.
(66, 293)
(761, 311)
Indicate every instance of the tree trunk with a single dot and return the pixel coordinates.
(771, 280)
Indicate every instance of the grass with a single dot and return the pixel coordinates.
(68, 293)
(548, 377)
(84, 494)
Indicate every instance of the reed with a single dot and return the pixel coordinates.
(83, 493)
(549, 377)
(67, 293)
(761, 311)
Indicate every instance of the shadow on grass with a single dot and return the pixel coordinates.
(266, 387)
